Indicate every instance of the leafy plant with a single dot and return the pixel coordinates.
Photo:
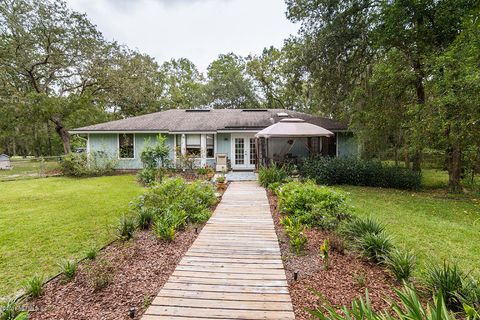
(221, 179)
(295, 231)
(374, 246)
(69, 268)
(96, 163)
(409, 307)
(325, 253)
(358, 227)
(167, 224)
(146, 176)
(92, 253)
(125, 228)
(360, 278)
(401, 264)
(145, 217)
(272, 174)
(156, 155)
(447, 280)
(33, 287)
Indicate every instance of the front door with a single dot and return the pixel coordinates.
(244, 153)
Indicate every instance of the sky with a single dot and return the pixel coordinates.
(199, 30)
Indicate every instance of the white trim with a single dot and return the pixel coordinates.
(336, 145)
(246, 151)
(88, 143)
(118, 146)
(192, 132)
(238, 131)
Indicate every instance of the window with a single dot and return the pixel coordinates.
(210, 146)
(193, 144)
(125, 146)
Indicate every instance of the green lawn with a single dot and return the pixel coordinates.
(434, 225)
(43, 221)
(27, 168)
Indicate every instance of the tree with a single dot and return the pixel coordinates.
(343, 40)
(181, 85)
(228, 85)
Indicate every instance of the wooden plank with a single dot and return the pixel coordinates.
(233, 270)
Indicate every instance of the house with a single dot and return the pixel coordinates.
(5, 162)
(205, 134)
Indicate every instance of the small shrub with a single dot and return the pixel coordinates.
(358, 227)
(374, 246)
(354, 171)
(401, 264)
(92, 253)
(100, 274)
(325, 253)
(299, 199)
(145, 217)
(272, 174)
(34, 287)
(448, 281)
(146, 176)
(125, 228)
(167, 224)
(69, 268)
(409, 306)
(97, 163)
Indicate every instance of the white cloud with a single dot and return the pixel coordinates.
(196, 29)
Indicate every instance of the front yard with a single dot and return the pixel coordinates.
(43, 221)
(432, 224)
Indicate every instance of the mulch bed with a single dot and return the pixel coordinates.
(138, 269)
(346, 279)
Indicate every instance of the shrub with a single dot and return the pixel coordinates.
(92, 253)
(272, 174)
(100, 274)
(125, 228)
(33, 287)
(168, 223)
(69, 267)
(97, 163)
(298, 198)
(145, 217)
(374, 246)
(146, 176)
(221, 178)
(156, 155)
(358, 227)
(409, 306)
(401, 264)
(195, 199)
(447, 280)
(354, 171)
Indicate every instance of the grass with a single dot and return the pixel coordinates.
(27, 168)
(44, 221)
(436, 226)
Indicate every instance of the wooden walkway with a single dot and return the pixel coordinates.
(233, 269)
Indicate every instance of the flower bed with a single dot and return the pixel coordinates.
(134, 272)
(345, 280)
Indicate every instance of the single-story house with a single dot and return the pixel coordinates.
(205, 134)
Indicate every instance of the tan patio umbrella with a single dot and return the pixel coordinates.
(293, 128)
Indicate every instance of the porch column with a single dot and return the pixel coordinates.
(203, 150)
(183, 147)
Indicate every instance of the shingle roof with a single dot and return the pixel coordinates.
(177, 120)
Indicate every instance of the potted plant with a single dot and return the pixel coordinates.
(221, 181)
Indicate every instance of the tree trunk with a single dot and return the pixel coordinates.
(417, 161)
(454, 163)
(49, 139)
(420, 89)
(63, 133)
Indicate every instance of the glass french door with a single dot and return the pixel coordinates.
(244, 155)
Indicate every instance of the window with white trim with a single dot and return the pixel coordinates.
(126, 147)
(193, 144)
(210, 145)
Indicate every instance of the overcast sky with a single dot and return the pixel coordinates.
(199, 30)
